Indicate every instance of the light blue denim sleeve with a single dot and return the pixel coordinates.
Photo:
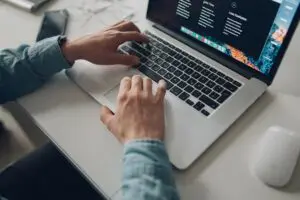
(147, 172)
(26, 68)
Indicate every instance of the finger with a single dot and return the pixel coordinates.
(125, 85)
(106, 115)
(161, 90)
(137, 83)
(124, 59)
(132, 36)
(113, 27)
(127, 26)
(118, 23)
(147, 85)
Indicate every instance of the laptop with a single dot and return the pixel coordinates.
(217, 57)
(29, 5)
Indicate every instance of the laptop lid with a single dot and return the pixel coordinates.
(249, 37)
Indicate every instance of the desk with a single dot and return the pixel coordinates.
(71, 120)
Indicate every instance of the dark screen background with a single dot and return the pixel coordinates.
(260, 16)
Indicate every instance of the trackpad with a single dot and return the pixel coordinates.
(111, 97)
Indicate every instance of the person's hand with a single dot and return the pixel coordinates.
(140, 113)
(101, 48)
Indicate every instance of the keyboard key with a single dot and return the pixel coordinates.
(191, 57)
(213, 70)
(159, 61)
(182, 84)
(171, 69)
(125, 48)
(218, 89)
(189, 89)
(210, 84)
(198, 68)
(155, 68)
(203, 79)
(189, 71)
(206, 90)
(192, 81)
(178, 50)
(224, 95)
(162, 72)
(220, 74)
(175, 80)
(184, 96)
(164, 56)
(237, 84)
(179, 56)
(166, 50)
(192, 64)
(230, 87)
(228, 78)
(184, 53)
(212, 77)
(143, 59)
(199, 62)
(182, 67)
(205, 112)
(220, 81)
(176, 63)
(198, 106)
(165, 65)
(169, 76)
(149, 64)
(157, 52)
(184, 77)
(206, 66)
(176, 90)
(185, 60)
(214, 95)
(178, 73)
(169, 59)
(152, 58)
(211, 103)
(191, 103)
(196, 93)
(205, 72)
(199, 86)
(196, 75)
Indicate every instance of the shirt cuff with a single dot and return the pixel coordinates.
(147, 157)
(47, 53)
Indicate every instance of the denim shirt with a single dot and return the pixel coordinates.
(147, 173)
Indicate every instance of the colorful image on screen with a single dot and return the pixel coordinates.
(277, 34)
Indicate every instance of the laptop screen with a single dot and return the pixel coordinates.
(251, 32)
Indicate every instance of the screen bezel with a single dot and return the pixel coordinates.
(227, 60)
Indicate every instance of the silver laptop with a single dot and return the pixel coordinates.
(29, 5)
(217, 57)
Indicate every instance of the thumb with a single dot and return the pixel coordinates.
(161, 90)
(106, 115)
(125, 59)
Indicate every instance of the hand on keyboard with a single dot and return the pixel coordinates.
(140, 114)
(101, 48)
(198, 84)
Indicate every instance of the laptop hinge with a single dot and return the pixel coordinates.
(245, 73)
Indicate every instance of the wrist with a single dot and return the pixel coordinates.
(70, 51)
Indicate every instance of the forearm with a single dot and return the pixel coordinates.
(147, 172)
(25, 69)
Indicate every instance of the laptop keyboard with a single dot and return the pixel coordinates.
(198, 84)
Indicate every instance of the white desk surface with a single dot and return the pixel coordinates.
(70, 118)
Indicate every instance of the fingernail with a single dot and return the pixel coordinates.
(162, 83)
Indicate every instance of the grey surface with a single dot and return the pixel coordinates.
(71, 120)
